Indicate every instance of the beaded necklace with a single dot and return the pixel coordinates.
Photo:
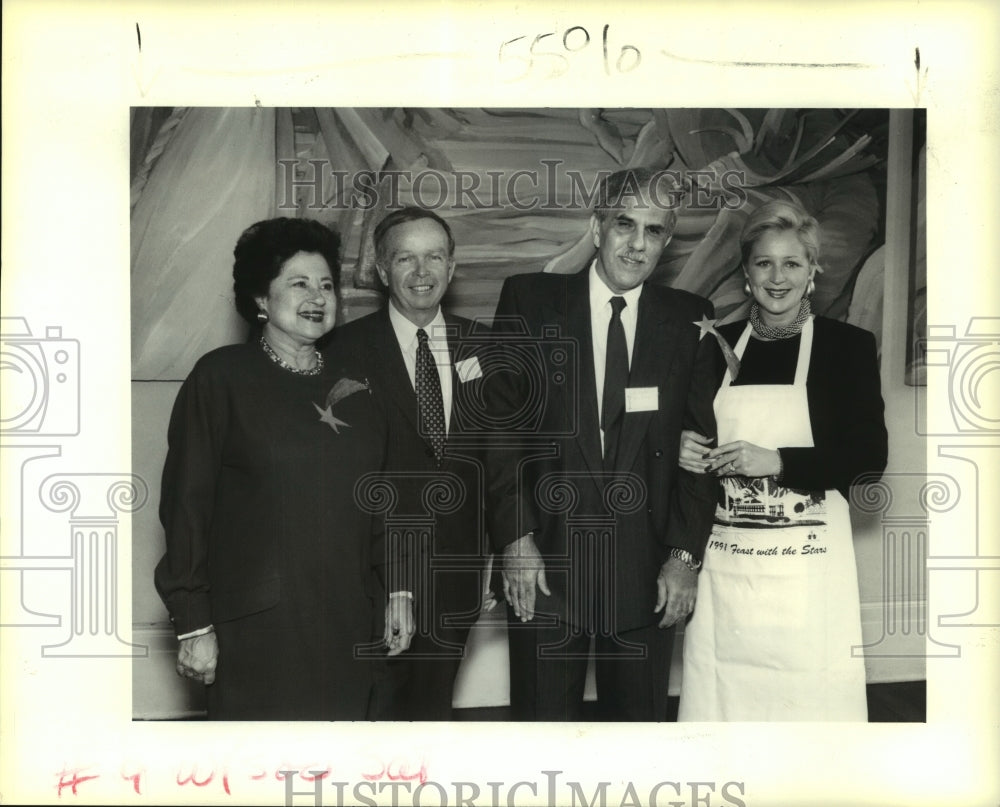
(284, 364)
(785, 331)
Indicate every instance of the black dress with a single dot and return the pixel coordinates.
(264, 538)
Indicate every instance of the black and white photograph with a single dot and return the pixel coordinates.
(426, 219)
(482, 406)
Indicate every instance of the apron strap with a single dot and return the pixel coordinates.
(805, 352)
(802, 364)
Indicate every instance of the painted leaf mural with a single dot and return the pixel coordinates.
(515, 185)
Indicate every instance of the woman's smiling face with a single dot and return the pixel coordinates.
(778, 271)
(301, 302)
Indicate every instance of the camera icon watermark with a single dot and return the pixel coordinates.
(41, 398)
(971, 553)
(40, 379)
(963, 379)
(963, 401)
(520, 374)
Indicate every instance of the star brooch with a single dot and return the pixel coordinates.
(343, 388)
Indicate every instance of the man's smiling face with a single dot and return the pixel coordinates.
(416, 268)
(629, 240)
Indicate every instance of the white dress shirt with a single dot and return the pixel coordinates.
(600, 317)
(406, 335)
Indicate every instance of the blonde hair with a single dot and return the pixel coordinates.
(782, 216)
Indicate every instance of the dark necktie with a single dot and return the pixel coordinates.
(429, 401)
(615, 381)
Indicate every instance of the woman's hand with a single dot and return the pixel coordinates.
(198, 656)
(694, 447)
(741, 458)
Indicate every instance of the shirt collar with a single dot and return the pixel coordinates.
(406, 331)
(600, 294)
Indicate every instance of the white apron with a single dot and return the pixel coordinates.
(778, 609)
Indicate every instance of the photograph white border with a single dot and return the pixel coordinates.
(70, 74)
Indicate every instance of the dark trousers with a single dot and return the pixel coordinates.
(548, 671)
(418, 683)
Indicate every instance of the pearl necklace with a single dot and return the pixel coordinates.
(285, 365)
(786, 331)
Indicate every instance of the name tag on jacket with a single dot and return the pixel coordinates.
(642, 399)
(468, 369)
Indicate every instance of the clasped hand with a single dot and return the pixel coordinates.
(738, 458)
(198, 656)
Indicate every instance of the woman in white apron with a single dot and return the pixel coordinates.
(776, 630)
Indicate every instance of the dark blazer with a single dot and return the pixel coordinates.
(655, 505)
(445, 504)
(846, 410)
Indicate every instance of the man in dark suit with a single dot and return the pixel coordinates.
(601, 533)
(423, 370)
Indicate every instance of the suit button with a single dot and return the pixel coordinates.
(658, 453)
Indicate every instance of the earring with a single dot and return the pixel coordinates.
(810, 288)
(262, 317)
(746, 288)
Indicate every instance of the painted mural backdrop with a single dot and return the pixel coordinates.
(513, 184)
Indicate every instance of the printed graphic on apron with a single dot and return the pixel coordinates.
(760, 502)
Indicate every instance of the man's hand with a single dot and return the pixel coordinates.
(694, 448)
(523, 569)
(676, 590)
(399, 625)
(198, 656)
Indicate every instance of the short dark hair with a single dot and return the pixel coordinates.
(263, 249)
(402, 216)
(614, 188)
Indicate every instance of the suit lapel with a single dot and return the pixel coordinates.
(388, 357)
(651, 361)
(577, 314)
(454, 334)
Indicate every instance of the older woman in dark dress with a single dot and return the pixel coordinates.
(267, 571)
(776, 626)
